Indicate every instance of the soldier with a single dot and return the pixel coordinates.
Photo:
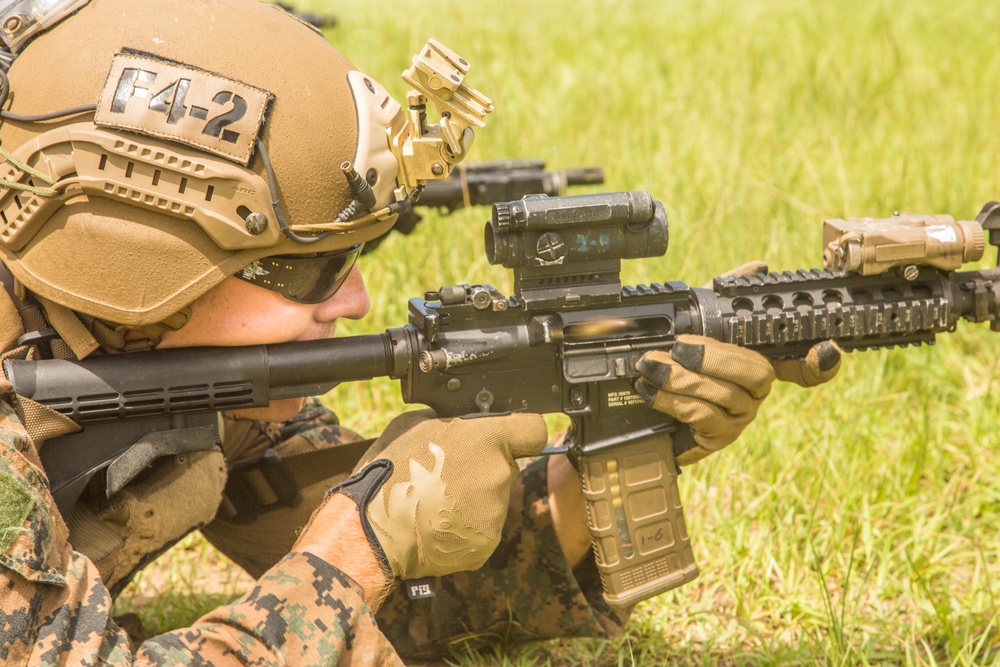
(115, 241)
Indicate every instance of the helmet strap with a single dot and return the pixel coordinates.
(117, 336)
(153, 332)
(71, 330)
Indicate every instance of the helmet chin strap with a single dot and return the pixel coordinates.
(114, 337)
(85, 334)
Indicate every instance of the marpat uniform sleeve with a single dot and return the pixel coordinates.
(54, 609)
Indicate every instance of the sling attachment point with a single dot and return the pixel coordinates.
(42, 339)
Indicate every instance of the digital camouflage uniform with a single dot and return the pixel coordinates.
(55, 609)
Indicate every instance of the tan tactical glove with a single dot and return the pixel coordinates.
(714, 389)
(434, 492)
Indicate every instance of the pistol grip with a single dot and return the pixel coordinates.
(636, 519)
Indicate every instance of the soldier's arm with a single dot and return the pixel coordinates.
(309, 608)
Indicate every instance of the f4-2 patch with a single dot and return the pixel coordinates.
(170, 100)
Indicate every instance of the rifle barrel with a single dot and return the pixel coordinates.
(584, 176)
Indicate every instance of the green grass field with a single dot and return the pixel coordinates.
(856, 523)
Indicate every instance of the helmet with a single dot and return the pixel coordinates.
(220, 127)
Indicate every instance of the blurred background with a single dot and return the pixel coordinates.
(856, 523)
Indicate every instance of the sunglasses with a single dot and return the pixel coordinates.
(303, 278)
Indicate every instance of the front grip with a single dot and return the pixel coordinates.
(636, 520)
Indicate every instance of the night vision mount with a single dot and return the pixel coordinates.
(426, 151)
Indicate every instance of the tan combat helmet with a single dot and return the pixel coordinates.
(222, 134)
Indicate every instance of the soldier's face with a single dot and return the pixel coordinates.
(238, 313)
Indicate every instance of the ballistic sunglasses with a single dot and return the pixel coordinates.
(303, 278)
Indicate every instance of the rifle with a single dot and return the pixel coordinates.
(314, 19)
(567, 341)
(481, 183)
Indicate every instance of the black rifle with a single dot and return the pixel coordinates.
(567, 341)
(312, 18)
(486, 183)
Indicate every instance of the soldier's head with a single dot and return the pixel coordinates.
(208, 163)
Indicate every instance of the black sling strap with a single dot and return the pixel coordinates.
(273, 481)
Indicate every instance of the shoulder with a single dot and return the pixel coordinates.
(32, 533)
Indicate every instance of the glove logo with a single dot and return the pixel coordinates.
(169, 100)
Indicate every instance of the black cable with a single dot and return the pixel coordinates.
(408, 202)
(34, 118)
(272, 183)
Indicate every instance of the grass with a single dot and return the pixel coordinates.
(854, 524)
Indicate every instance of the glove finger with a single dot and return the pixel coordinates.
(738, 365)
(750, 268)
(711, 427)
(820, 364)
(710, 358)
(731, 399)
(655, 367)
(400, 425)
(728, 401)
(525, 433)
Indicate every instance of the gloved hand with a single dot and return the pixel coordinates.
(819, 365)
(715, 389)
(434, 493)
(712, 388)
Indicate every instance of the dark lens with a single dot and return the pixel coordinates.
(303, 278)
(317, 280)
